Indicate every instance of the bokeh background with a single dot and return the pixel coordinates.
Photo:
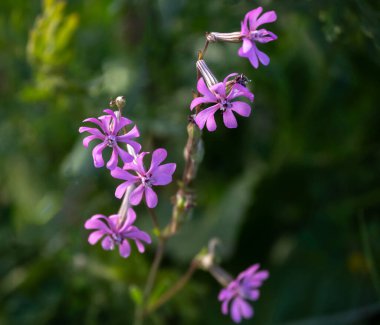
(296, 187)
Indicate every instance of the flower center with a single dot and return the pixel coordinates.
(146, 180)
(111, 140)
(254, 35)
(225, 104)
(261, 36)
(117, 238)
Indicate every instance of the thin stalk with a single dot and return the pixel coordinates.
(204, 49)
(139, 316)
(141, 310)
(173, 290)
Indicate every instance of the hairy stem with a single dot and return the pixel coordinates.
(180, 208)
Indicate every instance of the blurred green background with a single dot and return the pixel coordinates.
(296, 187)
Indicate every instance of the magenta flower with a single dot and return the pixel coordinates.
(115, 234)
(110, 125)
(251, 35)
(223, 101)
(244, 287)
(156, 175)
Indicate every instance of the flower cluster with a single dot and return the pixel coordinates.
(245, 287)
(112, 132)
(221, 95)
(225, 97)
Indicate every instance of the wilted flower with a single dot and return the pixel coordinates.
(223, 100)
(116, 234)
(245, 287)
(251, 34)
(110, 126)
(156, 175)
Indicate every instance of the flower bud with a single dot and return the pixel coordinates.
(120, 101)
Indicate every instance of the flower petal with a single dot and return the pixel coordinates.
(203, 89)
(93, 131)
(139, 235)
(253, 294)
(126, 157)
(235, 311)
(112, 163)
(135, 146)
(136, 195)
(262, 275)
(268, 17)
(125, 249)
(241, 108)
(151, 198)
(131, 217)
(229, 119)
(88, 139)
(220, 89)
(252, 17)
(202, 116)
(163, 174)
(97, 122)
(244, 26)
(210, 124)
(225, 307)
(247, 45)
(200, 100)
(95, 236)
(123, 174)
(245, 308)
(95, 223)
(138, 163)
(120, 190)
(107, 243)
(238, 91)
(264, 59)
(122, 122)
(97, 154)
(140, 246)
(158, 156)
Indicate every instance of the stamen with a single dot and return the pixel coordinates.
(111, 140)
(117, 238)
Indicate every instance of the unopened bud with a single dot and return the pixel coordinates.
(120, 102)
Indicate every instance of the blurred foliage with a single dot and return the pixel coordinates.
(49, 50)
(296, 187)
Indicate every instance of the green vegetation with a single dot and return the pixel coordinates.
(296, 187)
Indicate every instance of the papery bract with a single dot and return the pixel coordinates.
(223, 101)
(252, 35)
(116, 234)
(245, 287)
(110, 126)
(156, 175)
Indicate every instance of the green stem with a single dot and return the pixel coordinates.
(173, 290)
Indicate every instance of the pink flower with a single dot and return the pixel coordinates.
(110, 125)
(223, 101)
(115, 234)
(156, 175)
(251, 35)
(245, 287)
